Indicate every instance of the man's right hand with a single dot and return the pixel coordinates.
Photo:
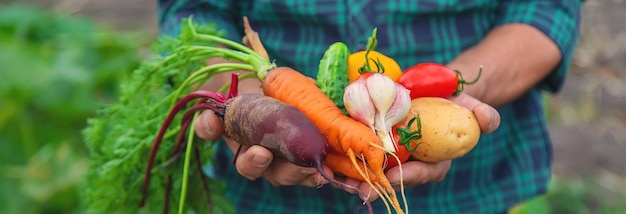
(254, 162)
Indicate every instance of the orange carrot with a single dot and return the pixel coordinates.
(292, 87)
(342, 164)
(345, 135)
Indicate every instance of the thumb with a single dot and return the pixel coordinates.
(253, 162)
(208, 126)
(417, 172)
(487, 116)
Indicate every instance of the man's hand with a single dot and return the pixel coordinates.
(417, 172)
(255, 161)
(487, 116)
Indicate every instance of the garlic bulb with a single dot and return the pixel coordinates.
(358, 103)
(400, 107)
(378, 102)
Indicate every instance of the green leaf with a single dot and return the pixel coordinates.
(119, 138)
(55, 71)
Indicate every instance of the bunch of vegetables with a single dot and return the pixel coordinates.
(353, 126)
(407, 110)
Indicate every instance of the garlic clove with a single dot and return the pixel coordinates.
(400, 107)
(358, 103)
(382, 91)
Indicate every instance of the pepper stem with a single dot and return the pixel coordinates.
(406, 135)
(463, 82)
(372, 42)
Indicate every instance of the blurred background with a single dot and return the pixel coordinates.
(60, 59)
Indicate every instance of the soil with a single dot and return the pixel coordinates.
(587, 117)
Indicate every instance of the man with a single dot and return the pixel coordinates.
(524, 46)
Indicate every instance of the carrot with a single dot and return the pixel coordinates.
(341, 163)
(345, 135)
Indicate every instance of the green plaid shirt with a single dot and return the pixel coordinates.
(505, 168)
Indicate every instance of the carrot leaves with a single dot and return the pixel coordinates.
(120, 136)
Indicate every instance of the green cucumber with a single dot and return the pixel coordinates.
(332, 75)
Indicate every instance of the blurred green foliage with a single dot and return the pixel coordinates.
(573, 197)
(55, 70)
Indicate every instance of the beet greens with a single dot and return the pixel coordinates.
(120, 136)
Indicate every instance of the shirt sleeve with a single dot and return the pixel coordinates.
(558, 19)
(225, 14)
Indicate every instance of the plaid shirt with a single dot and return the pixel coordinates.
(508, 166)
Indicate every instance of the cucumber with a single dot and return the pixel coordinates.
(332, 75)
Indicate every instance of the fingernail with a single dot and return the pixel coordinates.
(260, 161)
(322, 182)
(492, 122)
(308, 170)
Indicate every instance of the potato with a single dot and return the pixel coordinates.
(449, 130)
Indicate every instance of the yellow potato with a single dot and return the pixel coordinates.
(449, 130)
